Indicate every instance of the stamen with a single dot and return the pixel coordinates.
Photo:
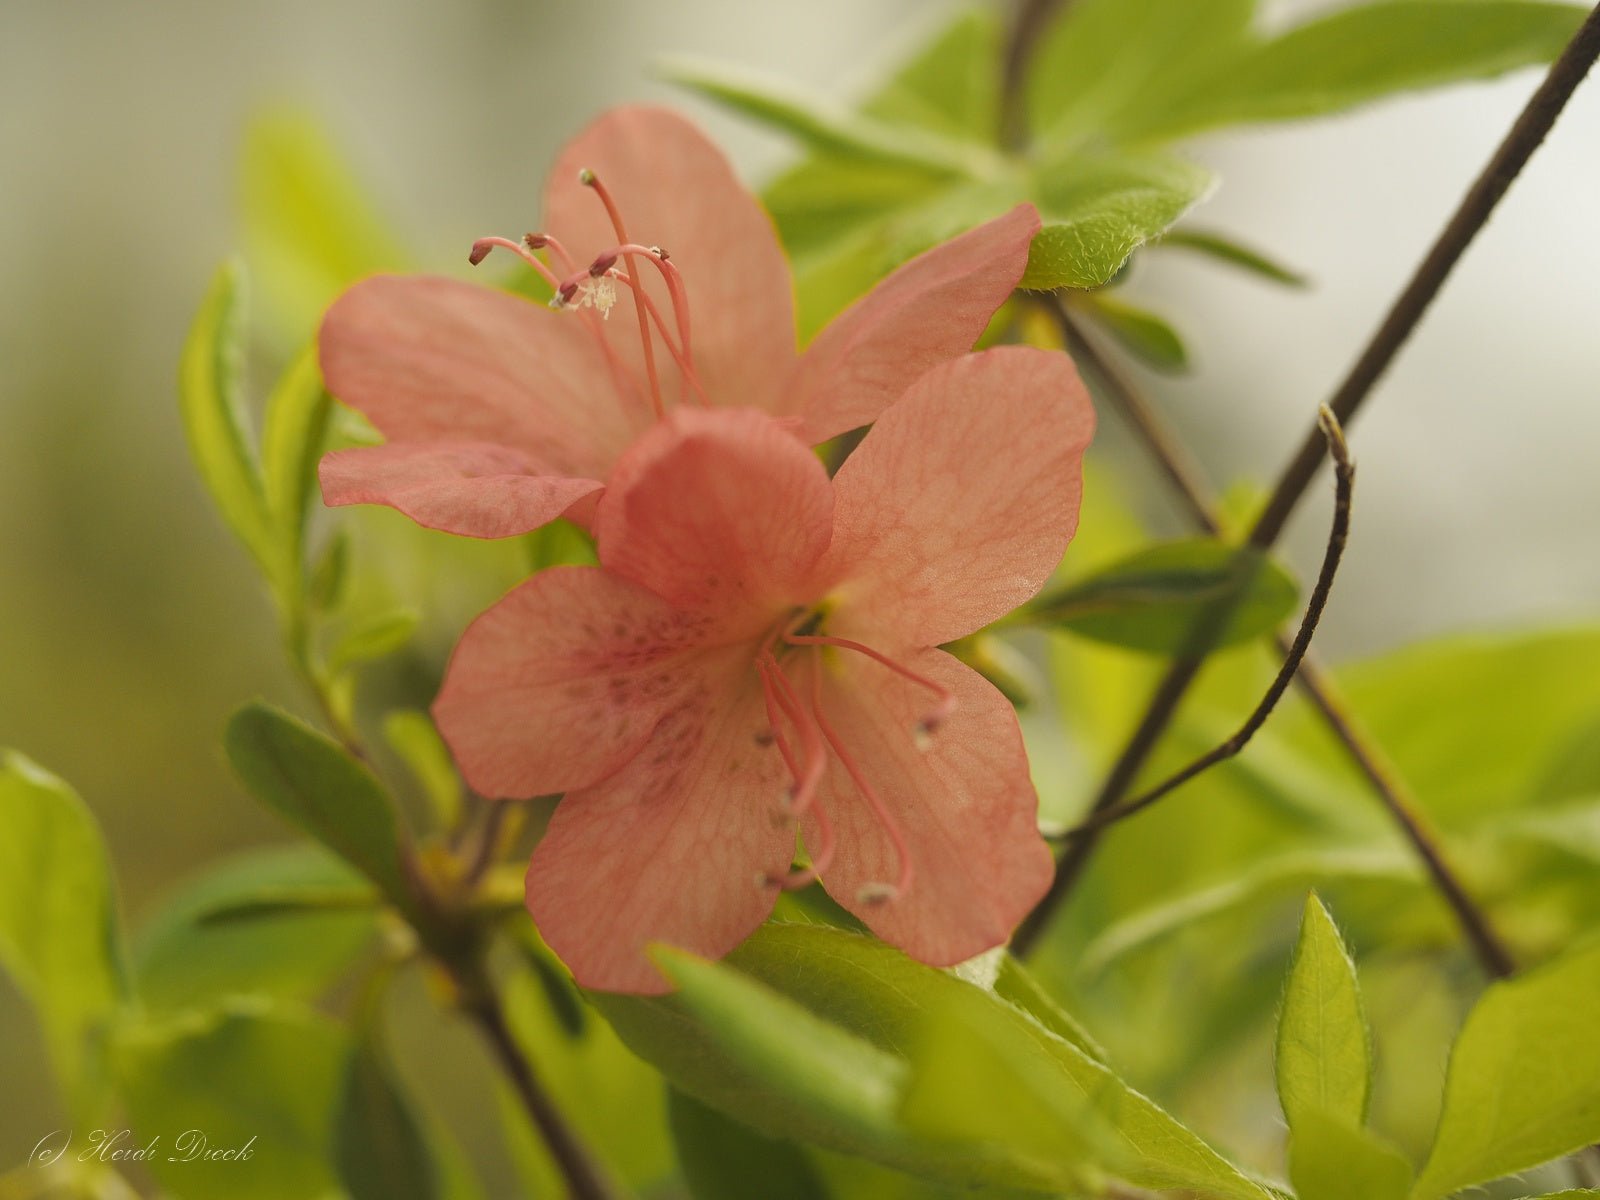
(777, 694)
(686, 367)
(590, 180)
(538, 241)
(929, 723)
(793, 881)
(481, 248)
(670, 275)
(815, 759)
(874, 892)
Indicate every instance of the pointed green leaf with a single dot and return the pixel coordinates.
(211, 400)
(1357, 55)
(722, 1160)
(1098, 210)
(184, 956)
(373, 637)
(413, 736)
(314, 782)
(1523, 1086)
(257, 1084)
(1142, 334)
(1175, 598)
(59, 935)
(291, 443)
(1324, 1060)
(1225, 249)
(952, 85)
(825, 129)
(1330, 1159)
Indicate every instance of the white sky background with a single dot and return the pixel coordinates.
(1478, 490)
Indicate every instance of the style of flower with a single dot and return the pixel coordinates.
(501, 415)
(756, 655)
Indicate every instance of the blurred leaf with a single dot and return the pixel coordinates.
(211, 399)
(310, 229)
(59, 935)
(722, 1159)
(1225, 249)
(1015, 985)
(952, 85)
(1356, 55)
(559, 543)
(313, 782)
(183, 957)
(1563, 1195)
(372, 637)
(1103, 61)
(291, 442)
(380, 1147)
(1142, 334)
(1098, 210)
(821, 128)
(1324, 1060)
(1174, 598)
(1524, 1079)
(1573, 771)
(248, 1080)
(290, 902)
(1331, 1159)
(415, 739)
(330, 575)
(825, 198)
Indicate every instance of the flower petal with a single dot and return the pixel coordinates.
(930, 310)
(965, 807)
(672, 847)
(717, 510)
(561, 682)
(472, 488)
(674, 189)
(958, 504)
(428, 359)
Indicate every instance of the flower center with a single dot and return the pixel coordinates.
(594, 288)
(798, 637)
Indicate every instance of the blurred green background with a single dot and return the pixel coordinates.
(130, 622)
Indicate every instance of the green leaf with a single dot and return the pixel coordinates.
(1103, 61)
(250, 1081)
(59, 935)
(413, 736)
(1330, 1159)
(211, 400)
(825, 129)
(721, 1159)
(1324, 1059)
(1179, 597)
(951, 86)
(331, 573)
(380, 1147)
(291, 442)
(1358, 55)
(1523, 1085)
(184, 956)
(1016, 985)
(312, 781)
(373, 637)
(1226, 249)
(1098, 211)
(1142, 334)
(310, 229)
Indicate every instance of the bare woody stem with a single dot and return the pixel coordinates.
(1338, 535)
(1510, 157)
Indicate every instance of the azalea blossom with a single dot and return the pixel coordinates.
(756, 655)
(501, 414)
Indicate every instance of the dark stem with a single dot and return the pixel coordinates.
(582, 1173)
(1338, 535)
(1031, 19)
(1527, 132)
(1509, 158)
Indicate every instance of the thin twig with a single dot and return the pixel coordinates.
(1526, 134)
(1313, 681)
(1338, 535)
(584, 1178)
(1030, 21)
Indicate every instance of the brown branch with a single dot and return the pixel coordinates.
(1526, 134)
(1338, 535)
(1030, 21)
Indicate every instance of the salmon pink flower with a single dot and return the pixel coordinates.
(501, 415)
(756, 655)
